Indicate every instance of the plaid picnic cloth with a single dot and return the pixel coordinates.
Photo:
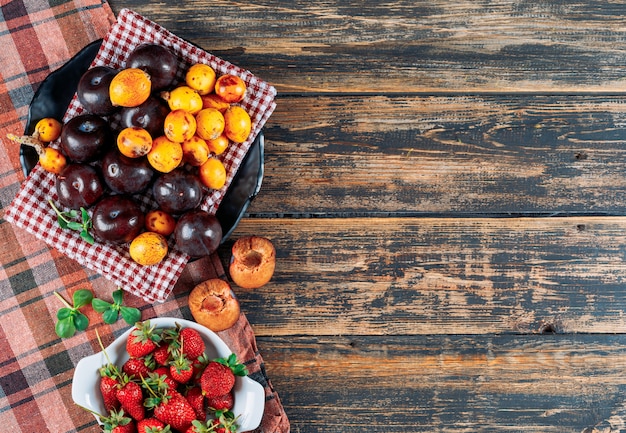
(37, 37)
(30, 209)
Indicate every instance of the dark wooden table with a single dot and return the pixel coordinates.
(445, 186)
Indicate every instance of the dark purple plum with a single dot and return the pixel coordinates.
(85, 137)
(150, 116)
(197, 233)
(93, 90)
(117, 219)
(79, 185)
(125, 175)
(158, 61)
(177, 192)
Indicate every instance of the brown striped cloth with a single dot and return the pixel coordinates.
(36, 367)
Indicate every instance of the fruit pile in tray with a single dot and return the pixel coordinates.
(168, 143)
(135, 171)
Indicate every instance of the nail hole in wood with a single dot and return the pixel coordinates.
(580, 156)
(548, 328)
(581, 227)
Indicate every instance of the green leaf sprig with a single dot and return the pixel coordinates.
(111, 311)
(69, 318)
(69, 220)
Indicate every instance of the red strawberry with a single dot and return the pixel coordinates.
(161, 355)
(201, 427)
(181, 369)
(142, 340)
(225, 422)
(218, 428)
(118, 422)
(108, 389)
(165, 371)
(191, 343)
(126, 428)
(138, 367)
(130, 396)
(217, 379)
(222, 402)
(152, 425)
(196, 399)
(181, 373)
(174, 409)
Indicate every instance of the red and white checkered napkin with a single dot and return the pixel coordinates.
(31, 211)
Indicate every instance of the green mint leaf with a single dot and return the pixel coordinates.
(87, 237)
(99, 305)
(130, 315)
(118, 296)
(62, 223)
(65, 328)
(110, 316)
(82, 297)
(73, 225)
(81, 322)
(84, 215)
(72, 214)
(64, 313)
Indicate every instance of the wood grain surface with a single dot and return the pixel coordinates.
(444, 184)
(411, 46)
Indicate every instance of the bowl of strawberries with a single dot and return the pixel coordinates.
(168, 372)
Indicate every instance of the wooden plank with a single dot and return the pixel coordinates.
(411, 46)
(445, 383)
(506, 155)
(423, 276)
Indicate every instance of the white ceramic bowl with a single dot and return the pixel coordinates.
(249, 396)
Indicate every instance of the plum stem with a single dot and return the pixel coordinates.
(58, 212)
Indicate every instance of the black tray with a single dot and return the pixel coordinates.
(54, 96)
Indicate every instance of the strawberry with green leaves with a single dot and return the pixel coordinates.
(118, 422)
(224, 422)
(172, 408)
(188, 340)
(108, 387)
(218, 377)
(163, 373)
(130, 396)
(139, 367)
(110, 377)
(142, 340)
(167, 404)
(162, 355)
(152, 425)
(198, 426)
(181, 369)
